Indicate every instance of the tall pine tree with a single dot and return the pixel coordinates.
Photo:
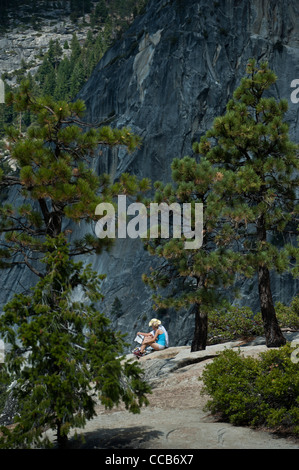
(252, 142)
(56, 179)
(54, 175)
(64, 357)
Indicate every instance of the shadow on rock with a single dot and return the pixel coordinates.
(117, 438)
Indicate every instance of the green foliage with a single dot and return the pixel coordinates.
(64, 77)
(64, 355)
(61, 76)
(192, 182)
(247, 180)
(116, 308)
(101, 11)
(59, 346)
(197, 275)
(63, 352)
(3, 390)
(251, 145)
(251, 142)
(230, 323)
(7, 114)
(255, 392)
(55, 175)
(288, 316)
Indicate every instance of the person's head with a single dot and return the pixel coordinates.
(154, 323)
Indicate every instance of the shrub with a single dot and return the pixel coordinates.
(255, 392)
(228, 324)
(288, 317)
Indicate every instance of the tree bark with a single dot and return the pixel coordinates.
(199, 342)
(62, 440)
(273, 334)
(53, 219)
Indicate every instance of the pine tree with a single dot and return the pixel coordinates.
(76, 10)
(49, 83)
(77, 78)
(54, 174)
(56, 179)
(251, 141)
(54, 53)
(6, 113)
(195, 276)
(75, 48)
(62, 88)
(116, 308)
(64, 356)
(45, 69)
(101, 11)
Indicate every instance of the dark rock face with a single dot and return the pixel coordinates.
(169, 76)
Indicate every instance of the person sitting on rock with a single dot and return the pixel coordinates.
(157, 339)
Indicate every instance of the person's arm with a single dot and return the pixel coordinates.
(144, 334)
(158, 332)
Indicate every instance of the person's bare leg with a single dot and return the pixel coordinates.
(144, 345)
(148, 341)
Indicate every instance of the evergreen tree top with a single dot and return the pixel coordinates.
(55, 174)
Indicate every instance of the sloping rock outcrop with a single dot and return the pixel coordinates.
(175, 417)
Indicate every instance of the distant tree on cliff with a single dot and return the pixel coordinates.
(64, 357)
(63, 77)
(101, 11)
(79, 8)
(252, 142)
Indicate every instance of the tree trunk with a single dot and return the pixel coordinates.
(199, 341)
(273, 334)
(53, 220)
(61, 439)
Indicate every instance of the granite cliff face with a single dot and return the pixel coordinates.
(168, 78)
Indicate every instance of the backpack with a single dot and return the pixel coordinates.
(161, 327)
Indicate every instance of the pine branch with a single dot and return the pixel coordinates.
(25, 262)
